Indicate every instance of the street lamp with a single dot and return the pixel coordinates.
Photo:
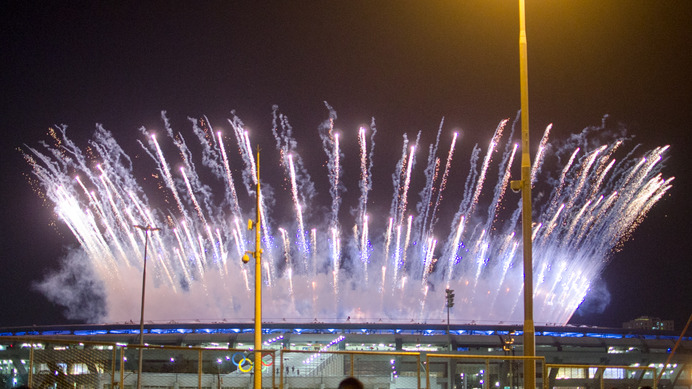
(524, 185)
(146, 230)
(257, 254)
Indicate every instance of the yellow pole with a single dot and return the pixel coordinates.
(675, 347)
(258, 288)
(30, 383)
(200, 364)
(526, 220)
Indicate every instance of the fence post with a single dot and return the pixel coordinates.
(545, 375)
(486, 376)
(31, 366)
(281, 369)
(273, 369)
(418, 367)
(122, 367)
(427, 372)
(602, 377)
(199, 369)
(113, 356)
(352, 364)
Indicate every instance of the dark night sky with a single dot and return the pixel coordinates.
(406, 63)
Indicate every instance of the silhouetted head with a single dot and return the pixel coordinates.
(350, 383)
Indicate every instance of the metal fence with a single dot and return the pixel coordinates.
(325, 369)
(597, 376)
(482, 371)
(43, 363)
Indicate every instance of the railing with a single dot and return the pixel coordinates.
(484, 371)
(325, 369)
(632, 376)
(49, 363)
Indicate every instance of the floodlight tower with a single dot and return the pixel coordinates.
(450, 303)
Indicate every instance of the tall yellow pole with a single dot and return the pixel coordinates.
(526, 220)
(675, 347)
(258, 287)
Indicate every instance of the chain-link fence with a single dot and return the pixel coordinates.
(480, 371)
(600, 376)
(57, 364)
(60, 364)
(325, 369)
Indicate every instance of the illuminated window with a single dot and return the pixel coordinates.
(609, 373)
(79, 368)
(565, 373)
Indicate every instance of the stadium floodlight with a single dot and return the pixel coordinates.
(450, 303)
(450, 297)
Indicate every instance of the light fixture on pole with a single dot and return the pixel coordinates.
(257, 254)
(146, 230)
(524, 185)
(450, 303)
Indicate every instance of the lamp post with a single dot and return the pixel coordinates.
(257, 254)
(526, 221)
(146, 230)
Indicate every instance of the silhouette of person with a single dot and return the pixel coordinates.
(350, 383)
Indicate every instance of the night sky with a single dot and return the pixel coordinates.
(408, 64)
